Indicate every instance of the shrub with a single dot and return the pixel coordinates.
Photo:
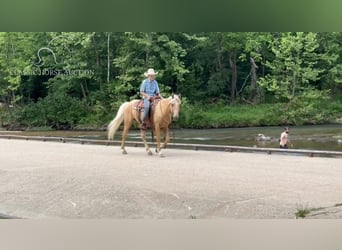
(59, 111)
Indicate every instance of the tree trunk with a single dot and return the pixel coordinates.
(254, 95)
(219, 63)
(293, 84)
(97, 57)
(147, 57)
(108, 57)
(98, 60)
(84, 93)
(254, 75)
(232, 63)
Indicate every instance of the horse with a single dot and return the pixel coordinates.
(166, 110)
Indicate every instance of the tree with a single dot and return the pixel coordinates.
(293, 77)
(294, 68)
(255, 52)
(331, 51)
(150, 50)
(17, 56)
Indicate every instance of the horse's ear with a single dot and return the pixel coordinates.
(173, 95)
(179, 95)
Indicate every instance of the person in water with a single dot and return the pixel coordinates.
(284, 139)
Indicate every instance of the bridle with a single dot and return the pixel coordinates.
(172, 103)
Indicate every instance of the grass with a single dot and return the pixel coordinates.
(302, 211)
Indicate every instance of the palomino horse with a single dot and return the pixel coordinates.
(166, 109)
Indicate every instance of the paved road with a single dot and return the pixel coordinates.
(56, 180)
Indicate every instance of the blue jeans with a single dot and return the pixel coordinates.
(146, 108)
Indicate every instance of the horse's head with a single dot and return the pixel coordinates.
(175, 104)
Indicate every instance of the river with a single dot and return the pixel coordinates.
(316, 137)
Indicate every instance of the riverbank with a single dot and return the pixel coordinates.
(192, 116)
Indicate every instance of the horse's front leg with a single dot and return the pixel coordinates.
(158, 147)
(143, 138)
(166, 137)
(157, 133)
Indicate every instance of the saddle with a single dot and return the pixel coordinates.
(140, 109)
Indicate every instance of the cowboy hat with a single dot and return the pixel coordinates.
(150, 72)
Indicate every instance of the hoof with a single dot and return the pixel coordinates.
(124, 152)
(149, 152)
(161, 155)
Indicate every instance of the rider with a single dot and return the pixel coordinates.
(148, 90)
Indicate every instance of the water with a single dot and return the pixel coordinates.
(327, 137)
(317, 137)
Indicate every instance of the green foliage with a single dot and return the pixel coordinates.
(307, 108)
(79, 79)
(333, 108)
(331, 51)
(294, 65)
(9, 118)
(225, 115)
(56, 110)
(151, 50)
(218, 85)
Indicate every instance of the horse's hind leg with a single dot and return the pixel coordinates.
(143, 138)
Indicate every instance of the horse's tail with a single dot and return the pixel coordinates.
(115, 123)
